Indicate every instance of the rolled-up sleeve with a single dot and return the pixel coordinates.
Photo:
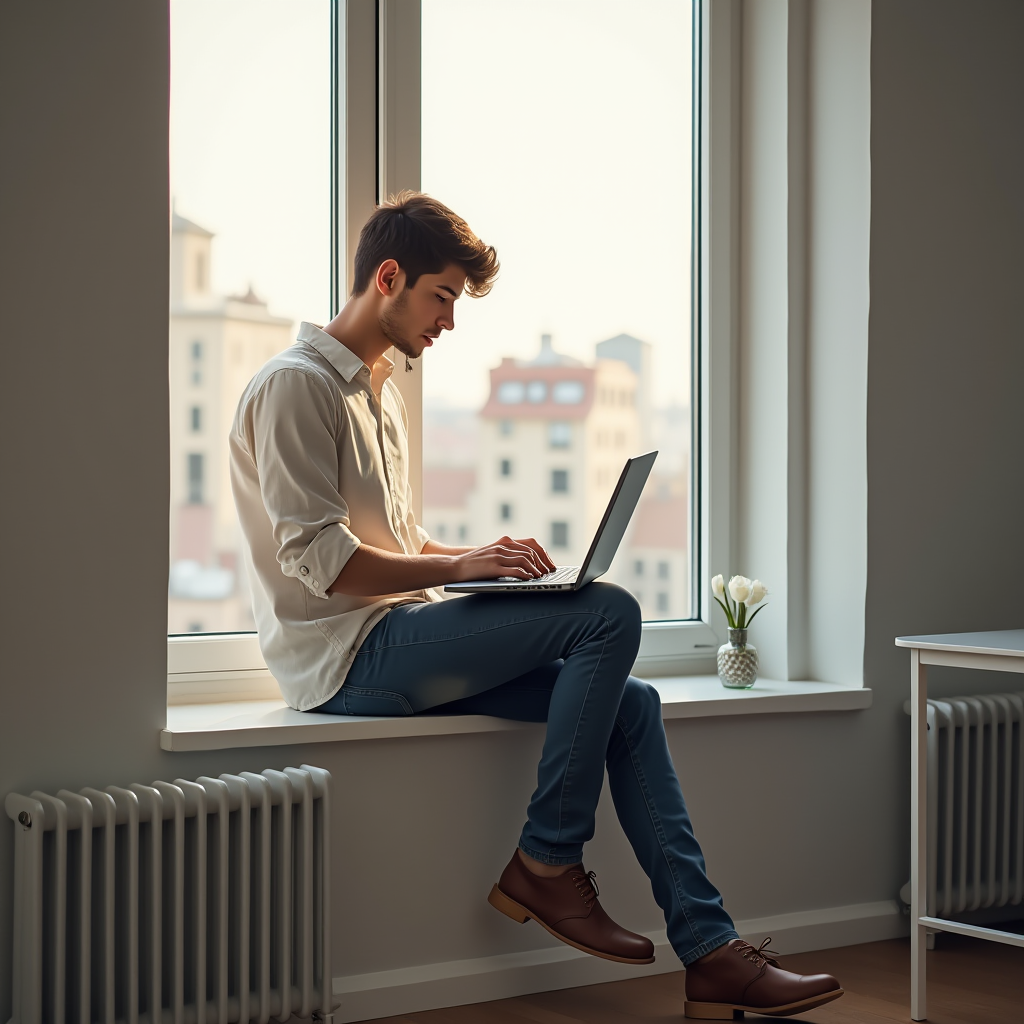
(295, 420)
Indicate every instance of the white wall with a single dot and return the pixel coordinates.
(795, 812)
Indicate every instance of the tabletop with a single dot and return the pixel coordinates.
(1007, 642)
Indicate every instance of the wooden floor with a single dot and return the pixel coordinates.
(970, 981)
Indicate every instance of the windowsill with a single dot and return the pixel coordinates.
(268, 723)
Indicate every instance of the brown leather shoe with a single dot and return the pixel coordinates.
(567, 907)
(737, 977)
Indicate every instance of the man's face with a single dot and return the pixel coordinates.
(414, 317)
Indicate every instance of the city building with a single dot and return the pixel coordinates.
(447, 512)
(638, 356)
(217, 343)
(653, 565)
(554, 436)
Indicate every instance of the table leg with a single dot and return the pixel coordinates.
(918, 834)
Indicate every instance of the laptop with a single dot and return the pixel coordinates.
(602, 549)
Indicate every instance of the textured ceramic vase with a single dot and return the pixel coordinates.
(737, 661)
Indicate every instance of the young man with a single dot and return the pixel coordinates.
(341, 576)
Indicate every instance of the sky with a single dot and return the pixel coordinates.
(560, 129)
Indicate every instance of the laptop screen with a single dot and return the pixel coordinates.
(616, 516)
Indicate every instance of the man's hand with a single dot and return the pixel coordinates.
(523, 559)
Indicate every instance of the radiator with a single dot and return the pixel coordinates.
(975, 804)
(201, 902)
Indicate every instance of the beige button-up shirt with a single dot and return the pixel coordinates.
(319, 464)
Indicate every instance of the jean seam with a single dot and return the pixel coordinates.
(659, 831)
(546, 858)
(572, 749)
(708, 946)
(364, 691)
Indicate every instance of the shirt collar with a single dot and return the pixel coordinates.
(344, 360)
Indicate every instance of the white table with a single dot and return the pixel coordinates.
(998, 651)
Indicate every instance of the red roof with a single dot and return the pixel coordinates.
(661, 523)
(447, 486)
(548, 409)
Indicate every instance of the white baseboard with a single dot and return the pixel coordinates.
(456, 982)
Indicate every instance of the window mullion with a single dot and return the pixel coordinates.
(398, 167)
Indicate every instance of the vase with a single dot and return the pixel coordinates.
(737, 661)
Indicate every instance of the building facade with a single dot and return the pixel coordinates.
(554, 436)
(217, 343)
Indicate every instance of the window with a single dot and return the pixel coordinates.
(250, 88)
(568, 392)
(511, 392)
(197, 363)
(663, 603)
(608, 357)
(195, 479)
(587, 371)
(559, 434)
(505, 467)
(663, 570)
(638, 567)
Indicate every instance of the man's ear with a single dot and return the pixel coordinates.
(387, 277)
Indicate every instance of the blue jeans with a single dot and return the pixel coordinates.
(561, 658)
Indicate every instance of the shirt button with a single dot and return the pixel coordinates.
(315, 584)
(303, 570)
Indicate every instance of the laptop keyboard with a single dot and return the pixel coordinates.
(565, 574)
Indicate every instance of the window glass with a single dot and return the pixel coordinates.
(536, 391)
(195, 479)
(568, 392)
(559, 434)
(250, 234)
(511, 392)
(577, 168)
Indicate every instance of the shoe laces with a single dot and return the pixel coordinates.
(758, 955)
(586, 886)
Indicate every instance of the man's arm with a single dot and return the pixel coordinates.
(433, 547)
(370, 571)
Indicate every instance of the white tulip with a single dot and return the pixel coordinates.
(739, 588)
(758, 591)
(718, 586)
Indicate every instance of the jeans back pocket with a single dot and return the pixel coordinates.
(385, 703)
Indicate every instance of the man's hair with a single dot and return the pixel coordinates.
(423, 236)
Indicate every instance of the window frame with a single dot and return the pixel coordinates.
(375, 152)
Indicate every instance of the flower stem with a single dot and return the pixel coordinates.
(728, 613)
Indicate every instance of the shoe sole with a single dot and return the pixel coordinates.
(521, 915)
(733, 1011)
